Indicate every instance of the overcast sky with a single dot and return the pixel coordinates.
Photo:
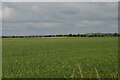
(60, 0)
(36, 18)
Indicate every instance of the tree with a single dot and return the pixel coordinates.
(70, 35)
(115, 34)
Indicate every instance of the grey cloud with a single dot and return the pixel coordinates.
(58, 18)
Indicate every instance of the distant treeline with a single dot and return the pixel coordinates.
(69, 35)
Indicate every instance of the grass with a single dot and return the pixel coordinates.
(0, 58)
(60, 57)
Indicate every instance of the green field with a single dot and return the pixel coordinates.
(88, 57)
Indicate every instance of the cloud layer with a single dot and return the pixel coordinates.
(59, 0)
(28, 18)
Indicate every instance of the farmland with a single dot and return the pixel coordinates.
(81, 57)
